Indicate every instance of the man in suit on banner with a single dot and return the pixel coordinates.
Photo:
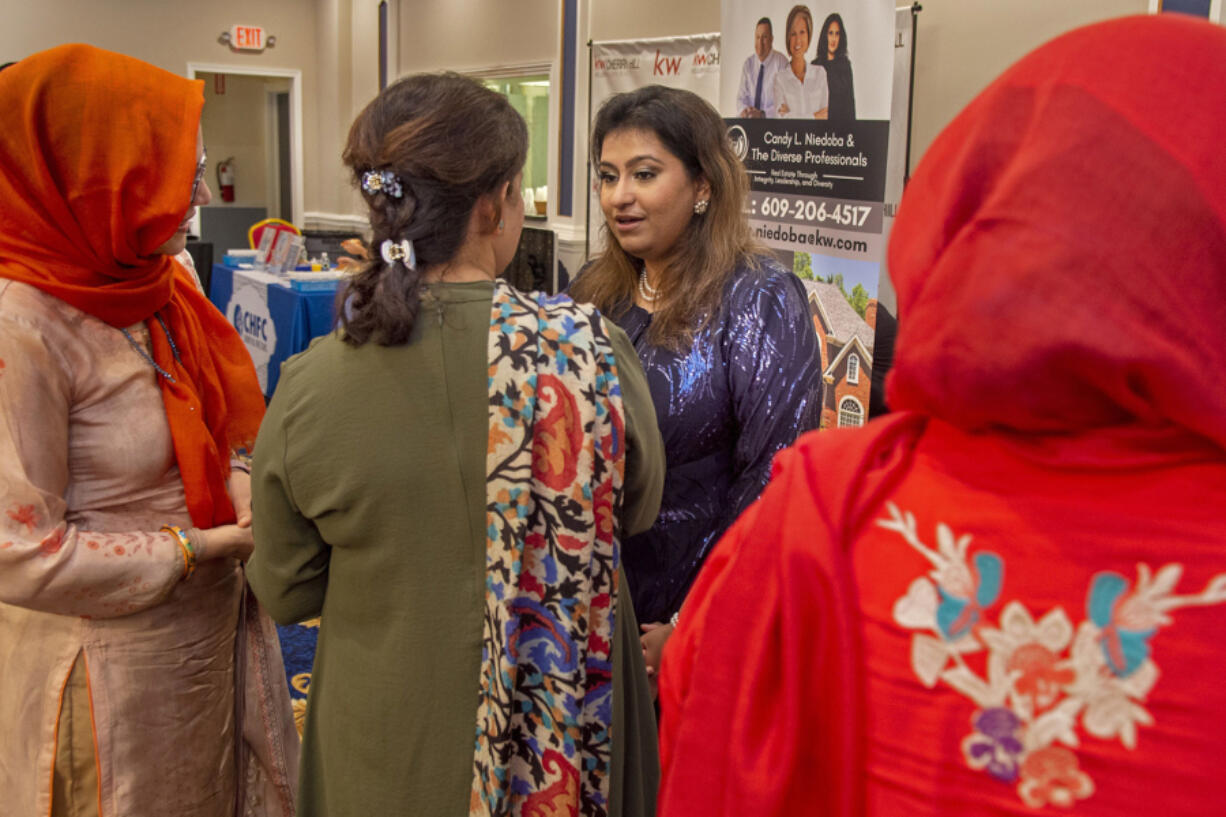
(755, 95)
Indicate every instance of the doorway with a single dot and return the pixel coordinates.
(252, 121)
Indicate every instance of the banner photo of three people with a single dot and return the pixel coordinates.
(806, 91)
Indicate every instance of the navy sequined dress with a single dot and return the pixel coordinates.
(750, 384)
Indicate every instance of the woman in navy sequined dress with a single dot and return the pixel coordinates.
(723, 331)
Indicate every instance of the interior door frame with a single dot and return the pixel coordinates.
(295, 118)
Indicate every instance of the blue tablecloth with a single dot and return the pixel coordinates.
(274, 320)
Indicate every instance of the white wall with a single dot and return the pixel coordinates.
(462, 35)
(334, 61)
(235, 125)
(172, 33)
(363, 61)
(640, 19)
(962, 46)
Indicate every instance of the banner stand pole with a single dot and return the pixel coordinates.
(587, 232)
(916, 8)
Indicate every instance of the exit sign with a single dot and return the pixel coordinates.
(247, 38)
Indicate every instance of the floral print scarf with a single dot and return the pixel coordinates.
(554, 484)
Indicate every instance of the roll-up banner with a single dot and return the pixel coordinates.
(691, 63)
(895, 177)
(806, 92)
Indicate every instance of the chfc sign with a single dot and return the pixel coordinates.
(248, 311)
(251, 325)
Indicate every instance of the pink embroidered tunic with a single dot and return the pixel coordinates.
(87, 478)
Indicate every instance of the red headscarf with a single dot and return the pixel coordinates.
(1060, 255)
(97, 158)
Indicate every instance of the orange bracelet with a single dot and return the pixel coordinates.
(185, 546)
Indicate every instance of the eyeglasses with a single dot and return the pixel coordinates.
(200, 168)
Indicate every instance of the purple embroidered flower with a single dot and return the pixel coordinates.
(995, 745)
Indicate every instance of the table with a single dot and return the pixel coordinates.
(274, 320)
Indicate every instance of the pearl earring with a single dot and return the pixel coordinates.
(700, 206)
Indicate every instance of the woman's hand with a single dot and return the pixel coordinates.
(239, 487)
(655, 634)
(824, 113)
(233, 541)
(783, 108)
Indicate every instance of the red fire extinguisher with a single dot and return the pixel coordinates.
(225, 179)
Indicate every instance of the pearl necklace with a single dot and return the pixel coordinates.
(646, 290)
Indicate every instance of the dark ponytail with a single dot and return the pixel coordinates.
(448, 141)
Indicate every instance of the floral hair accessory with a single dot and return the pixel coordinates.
(382, 181)
(402, 251)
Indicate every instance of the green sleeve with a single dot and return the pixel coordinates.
(635, 776)
(289, 568)
(644, 481)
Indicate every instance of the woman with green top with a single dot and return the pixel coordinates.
(446, 479)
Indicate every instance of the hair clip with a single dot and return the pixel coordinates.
(402, 251)
(382, 181)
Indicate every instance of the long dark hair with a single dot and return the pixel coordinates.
(713, 244)
(841, 51)
(449, 141)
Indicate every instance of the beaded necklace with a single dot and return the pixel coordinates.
(140, 349)
(646, 290)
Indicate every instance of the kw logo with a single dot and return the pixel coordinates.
(666, 65)
(615, 64)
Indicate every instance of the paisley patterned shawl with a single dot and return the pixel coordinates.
(554, 469)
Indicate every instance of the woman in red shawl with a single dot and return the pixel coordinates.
(1009, 596)
(130, 651)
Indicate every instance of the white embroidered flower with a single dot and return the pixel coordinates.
(1111, 705)
(1153, 598)
(1031, 656)
(952, 571)
(917, 610)
(1058, 724)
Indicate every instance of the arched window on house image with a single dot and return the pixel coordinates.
(853, 368)
(851, 413)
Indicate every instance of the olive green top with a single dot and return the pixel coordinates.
(369, 486)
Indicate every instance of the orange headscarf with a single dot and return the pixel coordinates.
(97, 157)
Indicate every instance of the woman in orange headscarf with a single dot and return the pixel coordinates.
(1009, 596)
(132, 653)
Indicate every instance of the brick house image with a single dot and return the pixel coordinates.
(845, 344)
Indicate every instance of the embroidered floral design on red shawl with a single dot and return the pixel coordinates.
(554, 481)
(1043, 677)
